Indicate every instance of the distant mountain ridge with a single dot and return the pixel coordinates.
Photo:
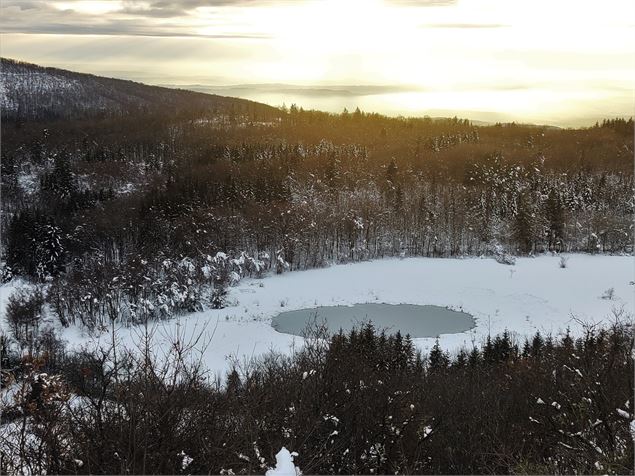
(32, 92)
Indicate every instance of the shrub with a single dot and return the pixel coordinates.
(357, 403)
(24, 312)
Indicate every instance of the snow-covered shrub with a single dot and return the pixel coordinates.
(226, 271)
(505, 258)
(219, 297)
(141, 290)
(38, 441)
(177, 287)
(89, 293)
(24, 312)
(36, 245)
(281, 264)
(6, 274)
(500, 255)
(564, 261)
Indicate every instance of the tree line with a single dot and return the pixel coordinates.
(358, 403)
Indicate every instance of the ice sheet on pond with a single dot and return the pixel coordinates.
(415, 320)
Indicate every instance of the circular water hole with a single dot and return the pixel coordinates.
(415, 320)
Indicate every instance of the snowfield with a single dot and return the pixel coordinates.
(533, 295)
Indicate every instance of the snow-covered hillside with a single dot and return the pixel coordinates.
(29, 91)
(37, 85)
(534, 295)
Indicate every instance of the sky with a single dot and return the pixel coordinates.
(559, 62)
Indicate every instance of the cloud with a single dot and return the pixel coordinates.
(24, 5)
(152, 18)
(179, 8)
(41, 17)
(121, 29)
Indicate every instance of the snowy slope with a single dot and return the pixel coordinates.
(535, 294)
(29, 91)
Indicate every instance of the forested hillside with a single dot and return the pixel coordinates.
(151, 213)
(31, 92)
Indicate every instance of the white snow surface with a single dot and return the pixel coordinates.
(284, 465)
(533, 295)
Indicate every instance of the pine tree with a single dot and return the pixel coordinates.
(461, 359)
(488, 352)
(554, 211)
(20, 234)
(523, 227)
(567, 341)
(503, 348)
(475, 357)
(61, 181)
(537, 344)
(437, 359)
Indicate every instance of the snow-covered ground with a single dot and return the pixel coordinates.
(535, 294)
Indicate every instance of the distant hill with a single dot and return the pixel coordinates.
(32, 92)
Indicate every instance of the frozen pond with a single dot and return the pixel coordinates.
(416, 320)
(534, 295)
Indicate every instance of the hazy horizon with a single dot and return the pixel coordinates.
(565, 63)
